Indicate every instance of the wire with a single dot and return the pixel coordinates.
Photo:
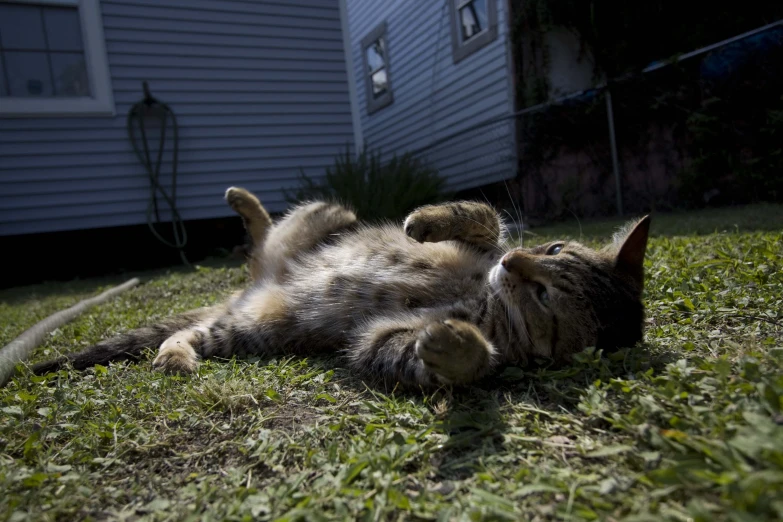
(138, 113)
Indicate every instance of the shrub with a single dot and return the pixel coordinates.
(374, 189)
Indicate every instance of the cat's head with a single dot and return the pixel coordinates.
(563, 296)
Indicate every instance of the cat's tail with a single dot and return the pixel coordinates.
(126, 346)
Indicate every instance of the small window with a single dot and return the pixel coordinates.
(375, 54)
(474, 24)
(53, 59)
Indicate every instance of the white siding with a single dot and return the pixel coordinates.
(433, 97)
(259, 90)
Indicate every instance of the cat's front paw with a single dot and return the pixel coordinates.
(428, 225)
(176, 355)
(454, 350)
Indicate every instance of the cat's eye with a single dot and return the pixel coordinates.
(543, 294)
(554, 249)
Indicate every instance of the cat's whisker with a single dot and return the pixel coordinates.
(494, 245)
(518, 225)
(513, 204)
(510, 217)
(508, 319)
(578, 222)
(486, 199)
(503, 239)
(524, 328)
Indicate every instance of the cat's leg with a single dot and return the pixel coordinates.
(178, 353)
(130, 345)
(257, 321)
(254, 216)
(418, 351)
(471, 222)
(303, 227)
(257, 224)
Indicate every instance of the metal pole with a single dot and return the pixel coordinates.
(613, 146)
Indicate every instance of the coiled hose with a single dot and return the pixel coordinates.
(137, 115)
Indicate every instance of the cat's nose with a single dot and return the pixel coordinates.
(519, 263)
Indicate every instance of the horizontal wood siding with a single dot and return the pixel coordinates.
(433, 96)
(259, 89)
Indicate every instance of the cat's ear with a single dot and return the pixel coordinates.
(632, 246)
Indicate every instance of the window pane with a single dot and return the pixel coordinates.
(379, 83)
(70, 74)
(63, 29)
(21, 27)
(375, 54)
(473, 19)
(28, 73)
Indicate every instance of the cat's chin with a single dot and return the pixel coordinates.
(496, 279)
(499, 282)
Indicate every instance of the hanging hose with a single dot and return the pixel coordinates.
(148, 107)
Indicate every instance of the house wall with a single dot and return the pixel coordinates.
(433, 96)
(259, 89)
(569, 71)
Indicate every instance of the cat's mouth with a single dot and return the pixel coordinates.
(505, 284)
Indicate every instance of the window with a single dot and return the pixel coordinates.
(53, 59)
(474, 24)
(375, 53)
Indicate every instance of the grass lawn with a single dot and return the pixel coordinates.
(687, 426)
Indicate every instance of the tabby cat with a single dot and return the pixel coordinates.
(438, 301)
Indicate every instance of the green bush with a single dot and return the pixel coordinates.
(374, 189)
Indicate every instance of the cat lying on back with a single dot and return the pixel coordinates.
(436, 301)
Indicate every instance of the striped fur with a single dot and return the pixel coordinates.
(439, 300)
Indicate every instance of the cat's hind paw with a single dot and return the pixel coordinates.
(176, 355)
(242, 201)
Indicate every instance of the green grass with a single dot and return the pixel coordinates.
(686, 427)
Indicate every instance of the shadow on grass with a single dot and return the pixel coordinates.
(474, 421)
(475, 418)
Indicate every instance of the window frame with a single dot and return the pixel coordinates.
(461, 50)
(375, 104)
(101, 103)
